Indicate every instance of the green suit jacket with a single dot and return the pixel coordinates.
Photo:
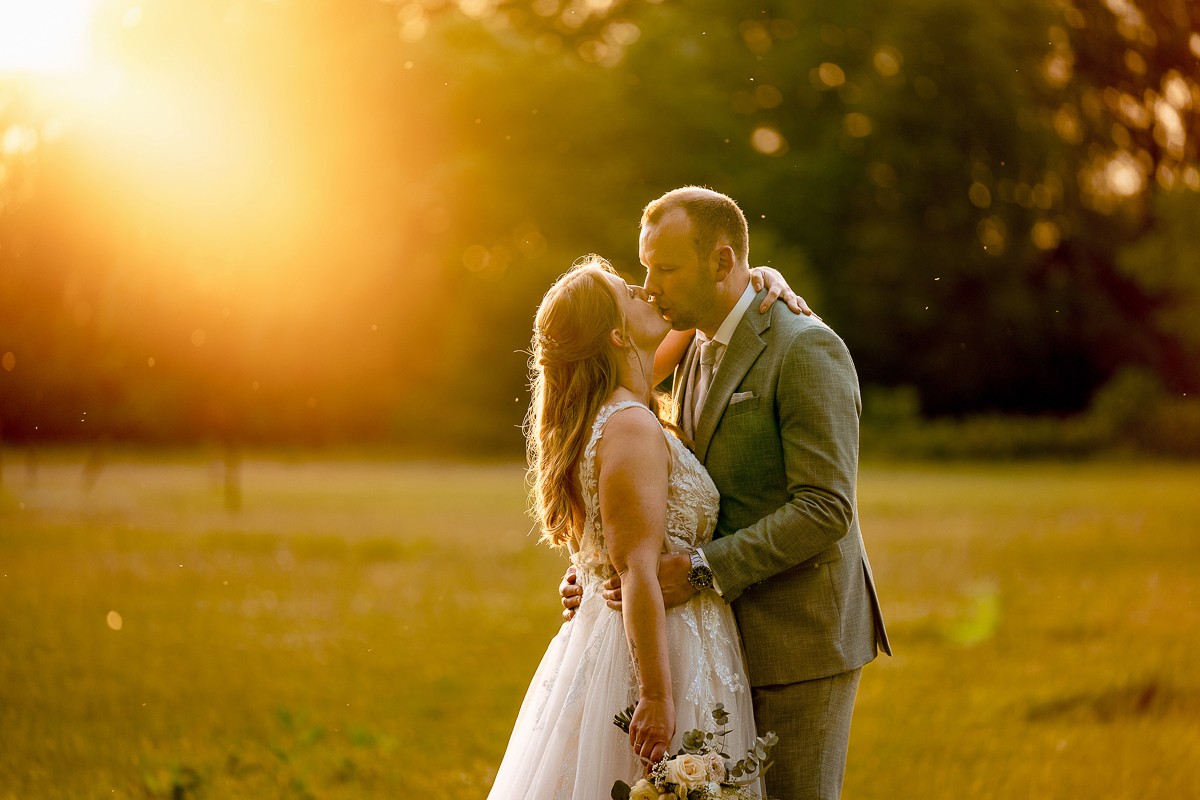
(779, 436)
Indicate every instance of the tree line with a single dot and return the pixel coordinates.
(332, 222)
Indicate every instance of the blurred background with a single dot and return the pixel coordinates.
(268, 269)
(328, 222)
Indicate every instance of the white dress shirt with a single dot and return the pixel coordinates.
(721, 338)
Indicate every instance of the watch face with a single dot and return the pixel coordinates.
(700, 577)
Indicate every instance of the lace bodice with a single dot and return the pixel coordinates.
(692, 501)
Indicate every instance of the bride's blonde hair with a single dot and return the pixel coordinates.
(573, 370)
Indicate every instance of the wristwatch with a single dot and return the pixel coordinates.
(699, 576)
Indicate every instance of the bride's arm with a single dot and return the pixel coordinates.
(671, 351)
(632, 460)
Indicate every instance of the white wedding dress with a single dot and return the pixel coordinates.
(564, 745)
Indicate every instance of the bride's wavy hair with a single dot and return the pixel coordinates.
(573, 370)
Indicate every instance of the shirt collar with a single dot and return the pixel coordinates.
(725, 333)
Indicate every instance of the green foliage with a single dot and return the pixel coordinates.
(624, 719)
(1165, 262)
(406, 179)
(1132, 414)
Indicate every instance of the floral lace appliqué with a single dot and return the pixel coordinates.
(692, 505)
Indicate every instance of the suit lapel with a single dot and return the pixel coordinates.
(679, 385)
(743, 350)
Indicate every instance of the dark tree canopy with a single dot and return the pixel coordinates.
(332, 221)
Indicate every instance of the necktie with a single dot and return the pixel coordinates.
(708, 358)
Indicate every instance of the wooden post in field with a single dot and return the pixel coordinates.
(93, 465)
(233, 478)
(31, 464)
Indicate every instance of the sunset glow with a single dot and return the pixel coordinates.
(46, 36)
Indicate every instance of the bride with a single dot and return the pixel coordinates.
(613, 485)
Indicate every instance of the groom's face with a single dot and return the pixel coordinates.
(680, 283)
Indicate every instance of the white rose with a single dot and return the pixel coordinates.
(643, 790)
(688, 770)
(716, 767)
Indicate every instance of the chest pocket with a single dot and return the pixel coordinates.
(742, 406)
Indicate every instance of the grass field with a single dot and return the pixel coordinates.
(365, 629)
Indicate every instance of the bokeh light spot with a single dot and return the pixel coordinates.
(623, 33)
(477, 9)
(1123, 175)
(887, 61)
(830, 75)
(1067, 126)
(475, 258)
(198, 337)
(980, 195)
(114, 621)
(756, 36)
(18, 140)
(1191, 178)
(9, 361)
(993, 235)
(1169, 132)
(413, 22)
(1176, 90)
(1045, 235)
(1134, 62)
(857, 125)
(768, 96)
(768, 141)
(832, 35)
(882, 174)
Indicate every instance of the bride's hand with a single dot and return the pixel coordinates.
(777, 287)
(652, 727)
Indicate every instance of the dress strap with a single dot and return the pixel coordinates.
(603, 416)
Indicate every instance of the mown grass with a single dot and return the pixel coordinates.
(364, 628)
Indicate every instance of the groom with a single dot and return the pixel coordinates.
(772, 404)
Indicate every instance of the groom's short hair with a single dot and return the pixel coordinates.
(713, 215)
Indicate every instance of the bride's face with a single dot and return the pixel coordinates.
(644, 323)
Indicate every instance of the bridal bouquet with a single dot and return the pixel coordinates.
(700, 770)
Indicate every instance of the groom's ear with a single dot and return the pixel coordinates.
(617, 338)
(725, 262)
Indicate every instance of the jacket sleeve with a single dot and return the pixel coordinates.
(817, 407)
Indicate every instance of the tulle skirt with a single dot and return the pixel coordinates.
(564, 745)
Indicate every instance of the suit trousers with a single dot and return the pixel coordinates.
(812, 720)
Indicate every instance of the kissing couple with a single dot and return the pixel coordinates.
(716, 558)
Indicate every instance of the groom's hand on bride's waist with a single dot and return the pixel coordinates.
(673, 571)
(570, 594)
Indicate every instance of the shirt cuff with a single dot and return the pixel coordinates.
(716, 587)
